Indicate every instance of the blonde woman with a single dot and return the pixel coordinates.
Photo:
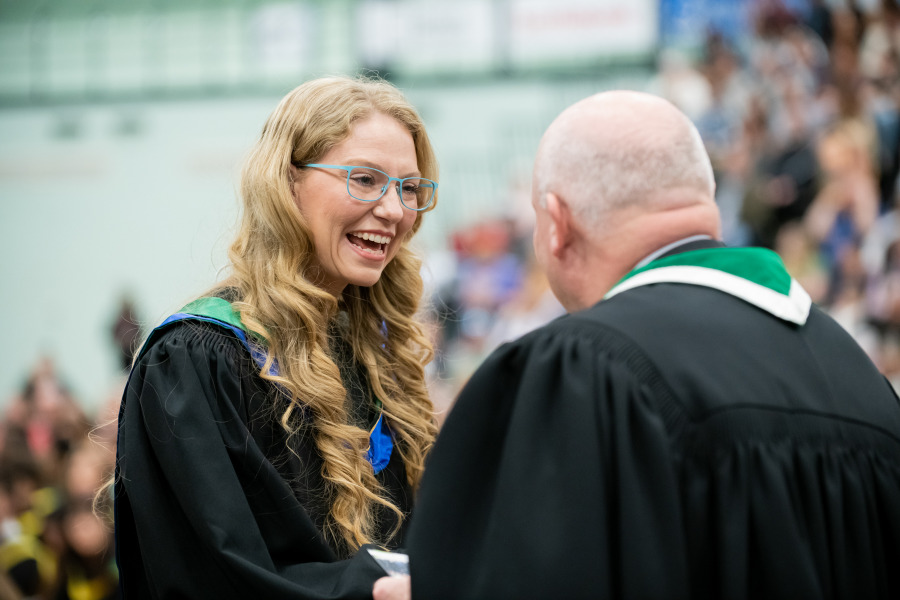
(280, 422)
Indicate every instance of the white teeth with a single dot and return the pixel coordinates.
(378, 239)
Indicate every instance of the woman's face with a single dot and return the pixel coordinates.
(339, 222)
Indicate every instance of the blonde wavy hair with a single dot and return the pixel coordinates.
(273, 270)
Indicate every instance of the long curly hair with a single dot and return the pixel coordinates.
(273, 271)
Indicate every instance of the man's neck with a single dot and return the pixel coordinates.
(606, 257)
(669, 247)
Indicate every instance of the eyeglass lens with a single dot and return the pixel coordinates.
(369, 184)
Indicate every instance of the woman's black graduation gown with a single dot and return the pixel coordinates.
(209, 502)
(671, 442)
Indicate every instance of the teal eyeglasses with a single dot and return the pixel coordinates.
(368, 184)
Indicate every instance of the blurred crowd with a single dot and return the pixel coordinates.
(56, 534)
(803, 126)
(53, 543)
(802, 122)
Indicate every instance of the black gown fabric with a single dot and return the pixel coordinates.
(671, 442)
(210, 503)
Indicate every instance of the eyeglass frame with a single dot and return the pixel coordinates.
(384, 190)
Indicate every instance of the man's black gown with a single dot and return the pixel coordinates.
(673, 441)
(209, 501)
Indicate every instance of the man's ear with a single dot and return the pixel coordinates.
(561, 231)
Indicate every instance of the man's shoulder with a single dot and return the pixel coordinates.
(594, 332)
(603, 319)
(582, 325)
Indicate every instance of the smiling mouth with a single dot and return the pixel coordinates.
(369, 242)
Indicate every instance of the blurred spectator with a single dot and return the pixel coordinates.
(779, 189)
(802, 258)
(883, 233)
(884, 307)
(25, 503)
(126, 332)
(847, 205)
(533, 305)
(488, 276)
(879, 63)
(883, 303)
(682, 83)
(49, 418)
(87, 567)
(819, 21)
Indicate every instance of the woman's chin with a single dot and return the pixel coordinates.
(364, 277)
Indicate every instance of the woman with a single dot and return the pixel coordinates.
(279, 423)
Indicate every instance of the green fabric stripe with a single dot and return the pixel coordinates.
(759, 265)
(216, 308)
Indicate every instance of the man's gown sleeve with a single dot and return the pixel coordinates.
(201, 512)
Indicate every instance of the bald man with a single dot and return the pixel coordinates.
(694, 428)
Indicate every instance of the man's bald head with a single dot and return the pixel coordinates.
(619, 150)
(618, 176)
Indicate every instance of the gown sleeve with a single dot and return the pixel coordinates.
(535, 489)
(200, 510)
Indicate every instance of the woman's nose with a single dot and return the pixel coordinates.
(390, 205)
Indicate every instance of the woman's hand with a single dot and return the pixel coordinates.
(392, 588)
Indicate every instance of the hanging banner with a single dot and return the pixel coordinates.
(415, 36)
(559, 32)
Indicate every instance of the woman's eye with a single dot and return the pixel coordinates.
(364, 180)
(410, 188)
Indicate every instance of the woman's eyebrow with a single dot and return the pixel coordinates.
(363, 162)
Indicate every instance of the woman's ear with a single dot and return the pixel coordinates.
(294, 175)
